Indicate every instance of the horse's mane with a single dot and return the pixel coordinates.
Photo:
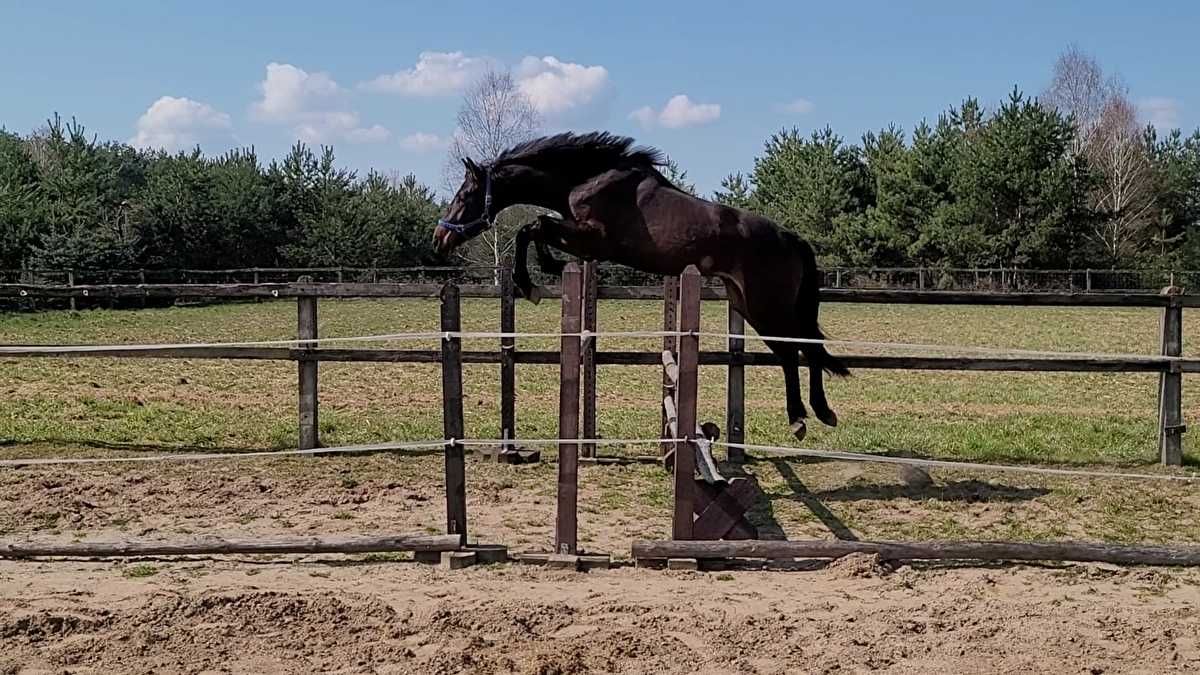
(597, 149)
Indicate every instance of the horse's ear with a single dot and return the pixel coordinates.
(471, 165)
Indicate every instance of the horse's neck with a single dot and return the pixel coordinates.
(538, 189)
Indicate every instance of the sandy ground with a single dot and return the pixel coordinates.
(324, 615)
(369, 614)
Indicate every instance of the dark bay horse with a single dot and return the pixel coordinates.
(615, 205)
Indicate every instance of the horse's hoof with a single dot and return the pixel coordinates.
(828, 417)
(799, 429)
(536, 293)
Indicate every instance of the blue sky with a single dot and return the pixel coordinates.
(708, 82)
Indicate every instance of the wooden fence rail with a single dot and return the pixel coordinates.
(1170, 366)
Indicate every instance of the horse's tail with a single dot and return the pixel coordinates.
(807, 301)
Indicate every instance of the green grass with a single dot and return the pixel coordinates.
(1028, 417)
(139, 571)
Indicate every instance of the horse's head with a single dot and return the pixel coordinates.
(469, 213)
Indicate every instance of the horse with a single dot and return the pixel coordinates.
(613, 204)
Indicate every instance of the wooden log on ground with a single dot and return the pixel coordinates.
(229, 545)
(924, 550)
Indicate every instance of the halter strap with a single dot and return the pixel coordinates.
(483, 222)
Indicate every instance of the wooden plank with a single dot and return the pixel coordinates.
(735, 387)
(566, 523)
(923, 550)
(614, 358)
(508, 346)
(418, 290)
(685, 401)
(670, 295)
(307, 330)
(212, 545)
(589, 357)
(1171, 425)
(452, 415)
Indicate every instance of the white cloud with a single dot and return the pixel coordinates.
(313, 104)
(1160, 111)
(422, 142)
(557, 88)
(435, 74)
(800, 106)
(680, 111)
(172, 123)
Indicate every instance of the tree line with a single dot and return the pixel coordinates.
(70, 201)
(1066, 180)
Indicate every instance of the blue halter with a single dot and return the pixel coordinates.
(483, 222)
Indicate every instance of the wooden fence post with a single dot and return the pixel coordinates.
(452, 415)
(1170, 411)
(566, 528)
(670, 323)
(590, 293)
(508, 364)
(735, 387)
(71, 282)
(686, 393)
(307, 330)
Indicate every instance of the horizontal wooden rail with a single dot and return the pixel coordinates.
(1064, 364)
(431, 291)
(229, 545)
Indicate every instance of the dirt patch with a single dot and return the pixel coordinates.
(327, 616)
(859, 566)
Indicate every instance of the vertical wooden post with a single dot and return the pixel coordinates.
(71, 282)
(508, 364)
(735, 387)
(590, 294)
(566, 524)
(686, 393)
(452, 415)
(1170, 410)
(670, 323)
(1087, 276)
(307, 330)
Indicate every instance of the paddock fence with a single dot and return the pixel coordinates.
(309, 349)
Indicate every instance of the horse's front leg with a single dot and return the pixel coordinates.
(521, 280)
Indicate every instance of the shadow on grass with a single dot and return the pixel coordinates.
(968, 491)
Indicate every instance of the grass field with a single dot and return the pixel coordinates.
(105, 407)
(1061, 418)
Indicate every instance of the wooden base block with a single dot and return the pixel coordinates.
(428, 557)
(560, 561)
(455, 560)
(595, 561)
(489, 554)
(683, 564)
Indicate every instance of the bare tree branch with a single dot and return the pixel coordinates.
(494, 116)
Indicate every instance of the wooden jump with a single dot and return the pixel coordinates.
(922, 550)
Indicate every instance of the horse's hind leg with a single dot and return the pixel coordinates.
(816, 385)
(790, 361)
